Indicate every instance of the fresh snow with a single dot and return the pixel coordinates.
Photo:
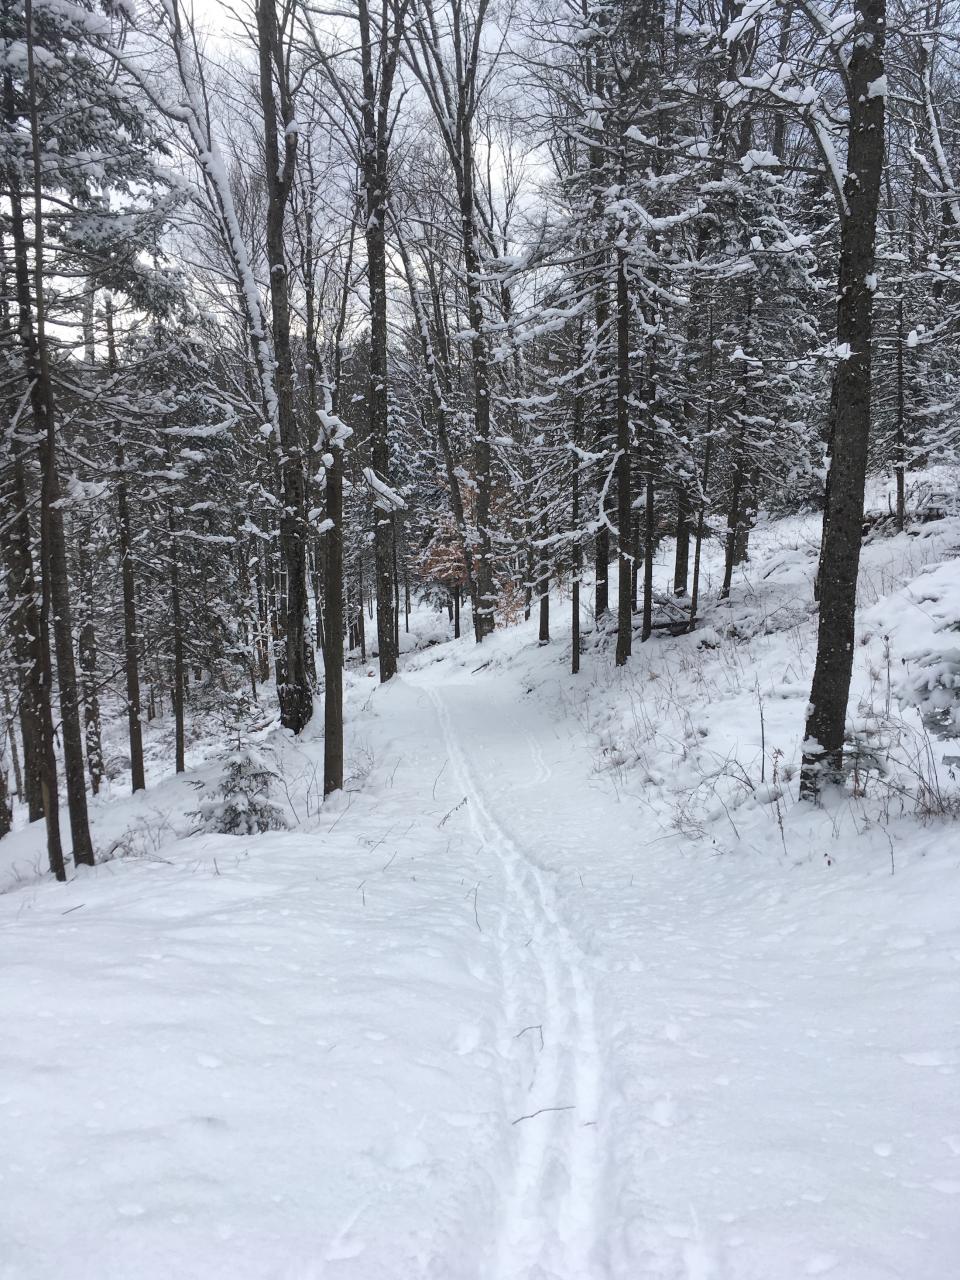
(566, 986)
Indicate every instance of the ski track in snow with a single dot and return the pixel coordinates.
(570, 1029)
(549, 1224)
(542, 772)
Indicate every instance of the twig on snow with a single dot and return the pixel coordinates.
(537, 1026)
(540, 1112)
(451, 812)
(438, 777)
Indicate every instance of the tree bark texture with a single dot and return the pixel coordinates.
(850, 407)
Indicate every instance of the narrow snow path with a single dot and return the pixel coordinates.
(761, 1054)
(484, 1021)
(548, 1224)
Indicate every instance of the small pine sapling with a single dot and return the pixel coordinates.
(239, 802)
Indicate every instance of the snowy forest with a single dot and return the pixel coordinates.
(480, 580)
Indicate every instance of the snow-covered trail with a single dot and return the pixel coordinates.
(486, 1021)
(761, 1057)
(548, 1224)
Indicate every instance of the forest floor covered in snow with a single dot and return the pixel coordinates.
(566, 986)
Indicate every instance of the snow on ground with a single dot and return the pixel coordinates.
(566, 987)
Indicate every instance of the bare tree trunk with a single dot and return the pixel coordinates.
(24, 624)
(179, 672)
(850, 407)
(333, 631)
(626, 551)
(900, 441)
(87, 637)
(56, 591)
(263, 619)
(705, 487)
(748, 515)
(131, 639)
(543, 584)
(484, 615)
(87, 653)
(131, 642)
(14, 753)
(529, 569)
(296, 695)
(681, 564)
(396, 584)
(378, 56)
(734, 517)
(577, 574)
(649, 521)
(635, 543)
(379, 426)
(601, 599)
(330, 550)
(361, 625)
(6, 811)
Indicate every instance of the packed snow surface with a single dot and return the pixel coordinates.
(565, 987)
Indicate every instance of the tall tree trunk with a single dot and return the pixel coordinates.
(6, 809)
(379, 423)
(626, 550)
(748, 515)
(131, 638)
(377, 76)
(577, 574)
(361, 626)
(24, 618)
(87, 654)
(527, 552)
(681, 564)
(12, 738)
(296, 695)
(333, 630)
(900, 438)
(649, 508)
(55, 599)
(24, 626)
(394, 541)
(263, 616)
(179, 671)
(705, 486)
(601, 598)
(484, 614)
(850, 408)
(329, 550)
(87, 637)
(543, 584)
(734, 516)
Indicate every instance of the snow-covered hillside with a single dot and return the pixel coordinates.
(567, 985)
